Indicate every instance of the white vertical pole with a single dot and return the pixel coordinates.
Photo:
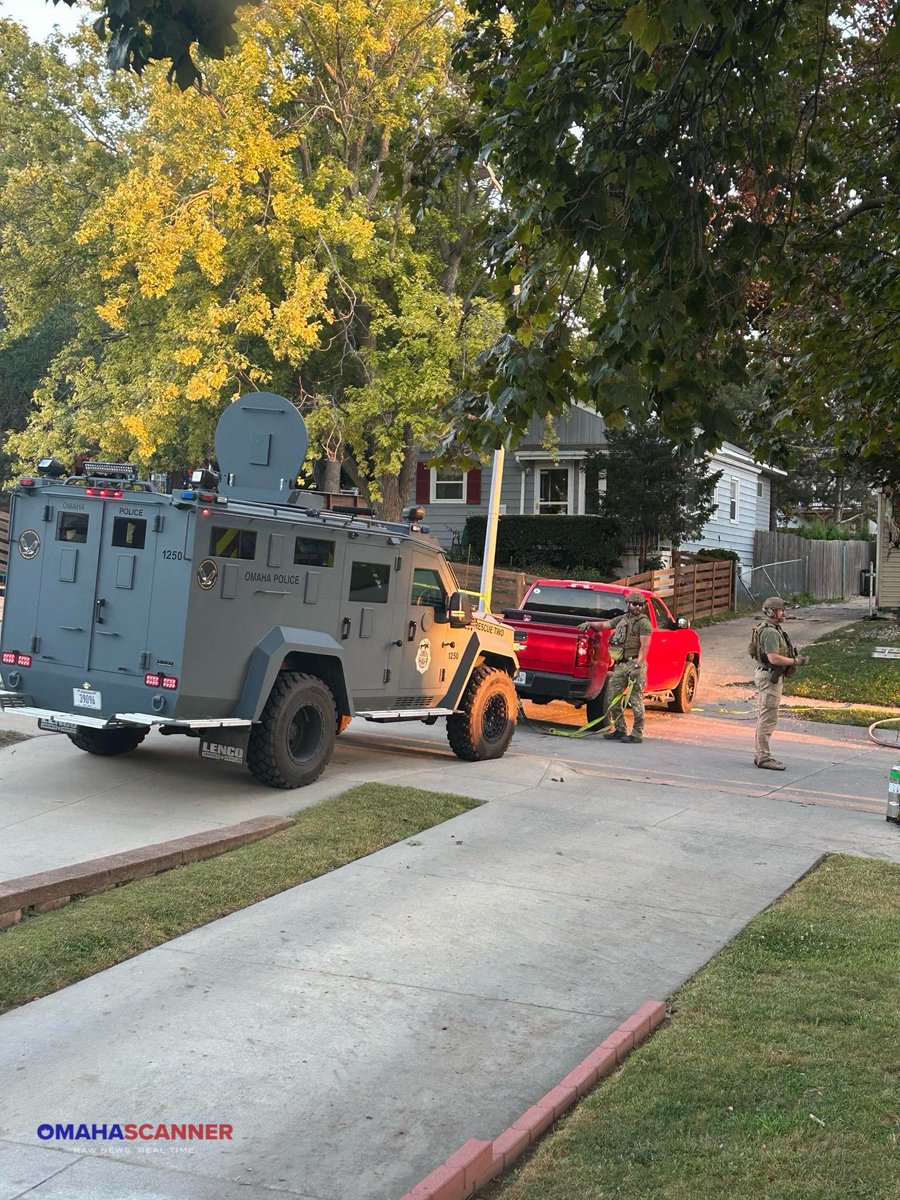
(490, 537)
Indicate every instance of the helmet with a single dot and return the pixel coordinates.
(636, 598)
(773, 602)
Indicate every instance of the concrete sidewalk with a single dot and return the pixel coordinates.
(358, 1029)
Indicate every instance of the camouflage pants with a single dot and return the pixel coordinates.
(618, 680)
(768, 698)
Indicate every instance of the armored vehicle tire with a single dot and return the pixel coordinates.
(107, 741)
(293, 741)
(487, 722)
(683, 694)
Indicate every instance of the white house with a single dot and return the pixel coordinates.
(538, 480)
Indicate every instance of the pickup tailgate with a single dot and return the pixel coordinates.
(556, 648)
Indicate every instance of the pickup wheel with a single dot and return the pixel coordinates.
(597, 707)
(683, 694)
(294, 738)
(487, 722)
(107, 742)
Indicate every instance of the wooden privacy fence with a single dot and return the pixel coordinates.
(826, 570)
(691, 590)
(508, 588)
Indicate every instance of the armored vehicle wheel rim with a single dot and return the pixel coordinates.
(494, 721)
(305, 734)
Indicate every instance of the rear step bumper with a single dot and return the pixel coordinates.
(21, 706)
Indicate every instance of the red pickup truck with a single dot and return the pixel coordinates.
(558, 661)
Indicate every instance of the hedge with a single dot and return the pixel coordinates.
(562, 542)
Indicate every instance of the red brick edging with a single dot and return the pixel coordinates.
(52, 889)
(477, 1162)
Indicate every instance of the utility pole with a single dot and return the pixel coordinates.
(490, 535)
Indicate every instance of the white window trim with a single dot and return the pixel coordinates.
(734, 493)
(550, 465)
(432, 486)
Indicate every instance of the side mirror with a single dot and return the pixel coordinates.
(461, 609)
(683, 623)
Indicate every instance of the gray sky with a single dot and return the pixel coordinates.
(39, 16)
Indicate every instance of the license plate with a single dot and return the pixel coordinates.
(85, 699)
(56, 726)
(520, 677)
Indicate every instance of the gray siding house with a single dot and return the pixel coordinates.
(538, 478)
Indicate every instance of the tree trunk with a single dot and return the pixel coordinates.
(329, 475)
(397, 489)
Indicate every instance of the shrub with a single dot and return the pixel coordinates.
(561, 543)
(827, 530)
(723, 555)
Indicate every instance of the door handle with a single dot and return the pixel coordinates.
(98, 611)
(345, 628)
(399, 642)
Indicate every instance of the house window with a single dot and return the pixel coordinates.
(448, 486)
(553, 491)
(733, 499)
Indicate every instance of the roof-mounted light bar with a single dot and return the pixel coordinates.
(110, 470)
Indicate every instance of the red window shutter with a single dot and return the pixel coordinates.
(473, 486)
(423, 484)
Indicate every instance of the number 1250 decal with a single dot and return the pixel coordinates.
(176, 554)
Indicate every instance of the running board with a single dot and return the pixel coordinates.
(405, 714)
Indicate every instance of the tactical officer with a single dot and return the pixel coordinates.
(627, 648)
(776, 658)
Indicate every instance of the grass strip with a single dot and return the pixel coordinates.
(9, 738)
(841, 716)
(841, 666)
(776, 1078)
(48, 952)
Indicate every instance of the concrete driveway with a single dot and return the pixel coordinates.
(356, 1030)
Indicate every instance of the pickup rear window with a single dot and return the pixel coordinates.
(576, 602)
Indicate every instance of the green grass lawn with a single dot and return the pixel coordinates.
(777, 1077)
(50, 951)
(841, 666)
(840, 716)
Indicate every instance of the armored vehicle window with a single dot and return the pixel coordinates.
(313, 552)
(129, 532)
(232, 543)
(72, 527)
(369, 582)
(427, 589)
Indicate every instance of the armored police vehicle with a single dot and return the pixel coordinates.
(240, 611)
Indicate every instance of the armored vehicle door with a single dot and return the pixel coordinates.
(431, 650)
(65, 604)
(124, 587)
(96, 585)
(370, 621)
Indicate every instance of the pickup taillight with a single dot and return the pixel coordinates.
(584, 654)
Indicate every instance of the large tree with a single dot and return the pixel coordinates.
(254, 243)
(657, 491)
(675, 153)
(139, 32)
